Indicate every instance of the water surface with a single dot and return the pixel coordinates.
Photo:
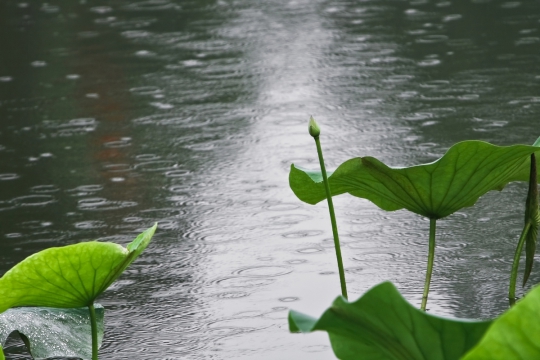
(117, 114)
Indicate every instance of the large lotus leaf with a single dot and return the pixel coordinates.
(382, 325)
(467, 171)
(52, 331)
(70, 276)
(515, 335)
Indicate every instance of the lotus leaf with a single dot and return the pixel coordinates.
(382, 325)
(68, 277)
(515, 335)
(53, 332)
(468, 170)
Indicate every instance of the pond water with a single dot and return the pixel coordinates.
(118, 114)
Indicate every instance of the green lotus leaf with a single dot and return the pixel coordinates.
(468, 170)
(53, 332)
(515, 335)
(2, 353)
(382, 325)
(68, 277)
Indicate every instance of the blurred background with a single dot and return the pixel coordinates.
(118, 114)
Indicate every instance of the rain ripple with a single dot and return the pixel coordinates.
(8, 176)
(264, 271)
(33, 200)
(99, 204)
(243, 282)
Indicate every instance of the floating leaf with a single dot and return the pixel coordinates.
(70, 276)
(515, 335)
(53, 332)
(382, 325)
(467, 171)
(2, 354)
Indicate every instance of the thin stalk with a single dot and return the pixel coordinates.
(332, 219)
(528, 235)
(93, 324)
(515, 265)
(431, 257)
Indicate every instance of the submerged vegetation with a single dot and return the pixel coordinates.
(382, 325)
(68, 278)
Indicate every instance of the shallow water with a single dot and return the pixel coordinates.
(117, 114)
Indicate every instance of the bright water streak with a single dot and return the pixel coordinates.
(116, 114)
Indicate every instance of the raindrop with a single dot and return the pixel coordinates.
(8, 176)
(117, 167)
(452, 17)
(264, 271)
(44, 189)
(13, 235)
(177, 173)
(159, 165)
(162, 106)
(296, 261)
(309, 250)
(302, 234)
(136, 34)
(282, 207)
(38, 63)
(288, 299)
(429, 62)
(244, 282)
(232, 295)
(33, 200)
(327, 273)
(192, 63)
(101, 9)
(90, 224)
(152, 5)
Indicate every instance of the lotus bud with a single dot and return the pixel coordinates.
(314, 129)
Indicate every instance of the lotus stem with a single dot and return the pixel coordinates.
(315, 131)
(431, 257)
(528, 234)
(93, 324)
(515, 265)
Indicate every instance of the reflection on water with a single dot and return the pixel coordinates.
(117, 114)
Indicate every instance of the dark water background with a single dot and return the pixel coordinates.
(117, 114)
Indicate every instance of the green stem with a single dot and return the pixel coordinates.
(93, 324)
(515, 265)
(431, 257)
(332, 219)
